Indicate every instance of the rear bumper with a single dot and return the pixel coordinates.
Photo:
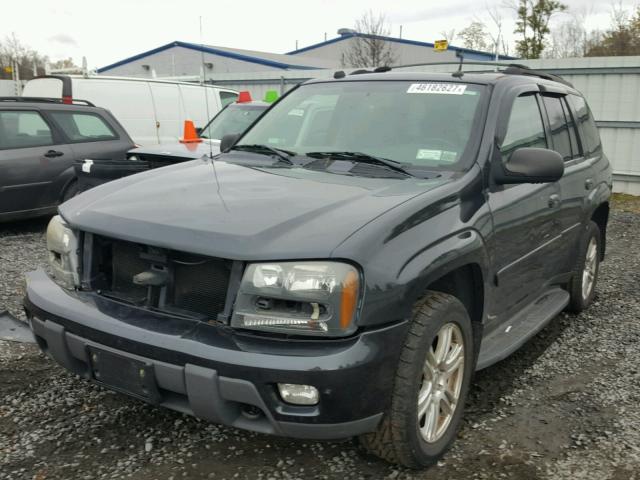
(212, 373)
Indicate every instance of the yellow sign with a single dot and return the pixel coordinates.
(440, 45)
(8, 70)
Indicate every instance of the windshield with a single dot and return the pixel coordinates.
(233, 119)
(423, 124)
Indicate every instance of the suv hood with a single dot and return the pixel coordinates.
(237, 211)
(179, 150)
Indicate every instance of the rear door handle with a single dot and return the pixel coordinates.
(554, 200)
(53, 154)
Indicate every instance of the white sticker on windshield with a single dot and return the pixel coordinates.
(296, 112)
(425, 154)
(449, 157)
(441, 88)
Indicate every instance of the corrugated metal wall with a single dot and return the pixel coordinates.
(611, 85)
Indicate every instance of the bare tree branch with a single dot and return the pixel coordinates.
(367, 49)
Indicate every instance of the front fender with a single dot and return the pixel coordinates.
(407, 248)
(466, 247)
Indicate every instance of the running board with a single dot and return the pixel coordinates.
(514, 333)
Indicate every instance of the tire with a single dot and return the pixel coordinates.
(588, 259)
(71, 191)
(398, 438)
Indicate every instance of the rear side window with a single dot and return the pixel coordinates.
(525, 127)
(84, 127)
(559, 127)
(573, 134)
(586, 125)
(23, 130)
(227, 97)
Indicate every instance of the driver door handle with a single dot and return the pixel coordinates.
(53, 154)
(554, 200)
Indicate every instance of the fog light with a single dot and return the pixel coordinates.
(298, 394)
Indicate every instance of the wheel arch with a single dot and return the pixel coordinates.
(600, 216)
(458, 266)
(66, 180)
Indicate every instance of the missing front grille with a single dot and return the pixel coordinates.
(200, 284)
(193, 285)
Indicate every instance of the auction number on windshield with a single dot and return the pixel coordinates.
(444, 88)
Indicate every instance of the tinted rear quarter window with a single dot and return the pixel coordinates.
(84, 127)
(573, 135)
(586, 125)
(23, 129)
(559, 128)
(525, 127)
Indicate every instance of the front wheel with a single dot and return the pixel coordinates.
(431, 385)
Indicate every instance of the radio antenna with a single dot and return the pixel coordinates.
(203, 79)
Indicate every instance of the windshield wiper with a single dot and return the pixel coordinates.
(266, 150)
(361, 157)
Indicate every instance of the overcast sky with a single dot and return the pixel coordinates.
(108, 31)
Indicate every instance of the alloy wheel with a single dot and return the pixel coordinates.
(590, 268)
(442, 377)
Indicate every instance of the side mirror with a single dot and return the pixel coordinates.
(529, 165)
(228, 141)
(199, 130)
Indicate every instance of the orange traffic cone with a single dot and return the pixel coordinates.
(190, 135)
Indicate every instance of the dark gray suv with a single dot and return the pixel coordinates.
(345, 266)
(39, 140)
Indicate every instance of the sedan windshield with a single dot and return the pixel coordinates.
(233, 119)
(418, 124)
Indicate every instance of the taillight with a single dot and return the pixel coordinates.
(67, 99)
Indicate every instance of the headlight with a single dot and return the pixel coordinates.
(63, 257)
(305, 298)
(133, 157)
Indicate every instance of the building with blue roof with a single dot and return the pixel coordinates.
(405, 52)
(184, 59)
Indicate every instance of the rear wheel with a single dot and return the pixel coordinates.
(431, 385)
(582, 287)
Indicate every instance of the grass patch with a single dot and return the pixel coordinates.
(625, 202)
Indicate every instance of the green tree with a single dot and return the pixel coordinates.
(533, 24)
(474, 36)
(622, 39)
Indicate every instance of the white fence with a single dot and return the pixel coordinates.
(611, 85)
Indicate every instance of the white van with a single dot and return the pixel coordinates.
(151, 111)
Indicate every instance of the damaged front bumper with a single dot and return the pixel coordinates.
(214, 372)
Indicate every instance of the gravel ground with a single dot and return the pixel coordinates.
(566, 406)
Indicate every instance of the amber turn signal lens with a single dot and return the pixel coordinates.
(349, 299)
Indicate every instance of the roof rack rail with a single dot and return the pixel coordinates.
(516, 70)
(75, 101)
(510, 69)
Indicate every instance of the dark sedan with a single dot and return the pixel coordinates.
(39, 141)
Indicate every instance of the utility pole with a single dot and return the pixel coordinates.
(16, 78)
